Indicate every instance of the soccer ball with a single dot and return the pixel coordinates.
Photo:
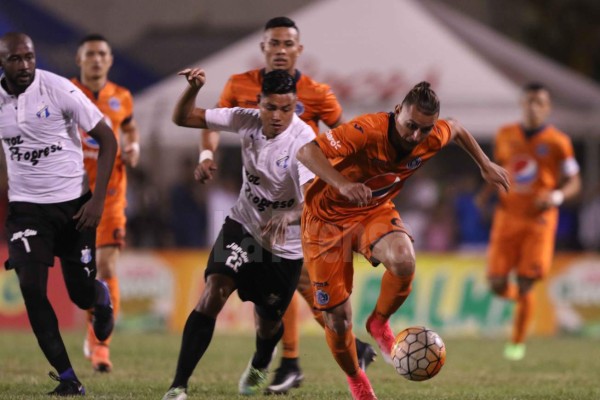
(418, 353)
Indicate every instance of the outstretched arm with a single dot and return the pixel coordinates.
(186, 113)
(313, 158)
(490, 171)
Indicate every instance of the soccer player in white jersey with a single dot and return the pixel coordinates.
(258, 251)
(51, 211)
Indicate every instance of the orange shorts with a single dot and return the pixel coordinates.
(111, 230)
(328, 251)
(525, 245)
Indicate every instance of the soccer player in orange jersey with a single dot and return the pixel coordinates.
(360, 166)
(316, 102)
(543, 173)
(94, 58)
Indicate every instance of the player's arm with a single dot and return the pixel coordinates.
(490, 171)
(186, 113)
(88, 216)
(131, 142)
(315, 160)
(569, 188)
(277, 225)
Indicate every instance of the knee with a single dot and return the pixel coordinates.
(338, 323)
(498, 285)
(214, 296)
(401, 262)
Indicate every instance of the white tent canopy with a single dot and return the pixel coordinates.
(373, 53)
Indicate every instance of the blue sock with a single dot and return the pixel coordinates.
(102, 294)
(68, 375)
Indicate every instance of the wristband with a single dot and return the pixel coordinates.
(557, 197)
(205, 155)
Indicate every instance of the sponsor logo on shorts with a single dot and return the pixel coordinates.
(237, 257)
(86, 255)
(322, 297)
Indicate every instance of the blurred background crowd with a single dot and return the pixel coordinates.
(152, 42)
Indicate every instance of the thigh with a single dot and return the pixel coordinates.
(538, 249)
(373, 229)
(273, 287)
(328, 257)
(31, 232)
(505, 247)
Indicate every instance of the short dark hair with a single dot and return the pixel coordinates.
(278, 82)
(281, 22)
(534, 87)
(424, 98)
(92, 37)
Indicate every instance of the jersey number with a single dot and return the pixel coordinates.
(234, 261)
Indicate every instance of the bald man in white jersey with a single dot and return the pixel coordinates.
(51, 211)
(258, 251)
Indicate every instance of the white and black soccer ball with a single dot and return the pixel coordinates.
(418, 353)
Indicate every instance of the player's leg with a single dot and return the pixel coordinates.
(537, 251)
(384, 239)
(506, 239)
(366, 353)
(396, 252)
(33, 281)
(110, 238)
(221, 280)
(30, 228)
(271, 287)
(98, 351)
(328, 258)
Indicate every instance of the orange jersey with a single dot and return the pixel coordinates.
(361, 151)
(535, 165)
(116, 103)
(316, 101)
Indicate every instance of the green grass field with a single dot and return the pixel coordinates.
(565, 369)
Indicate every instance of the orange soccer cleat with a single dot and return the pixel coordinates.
(101, 358)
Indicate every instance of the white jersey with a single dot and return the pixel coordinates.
(41, 141)
(272, 176)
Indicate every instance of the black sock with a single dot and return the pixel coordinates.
(289, 363)
(197, 335)
(360, 346)
(264, 349)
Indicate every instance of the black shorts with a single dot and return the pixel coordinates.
(261, 277)
(38, 232)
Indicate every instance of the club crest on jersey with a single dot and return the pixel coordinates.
(322, 297)
(414, 164)
(42, 111)
(86, 255)
(542, 150)
(382, 185)
(299, 108)
(114, 103)
(283, 162)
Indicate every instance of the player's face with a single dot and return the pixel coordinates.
(17, 58)
(412, 126)
(281, 47)
(536, 106)
(276, 113)
(95, 59)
